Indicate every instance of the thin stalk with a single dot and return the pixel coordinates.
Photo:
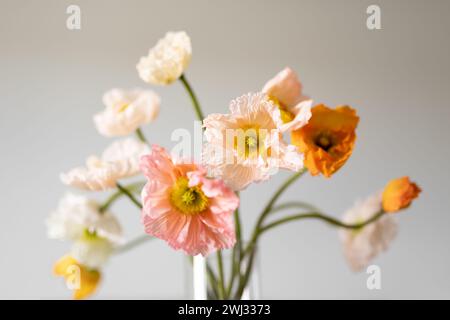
(194, 99)
(129, 195)
(221, 279)
(236, 254)
(293, 204)
(116, 195)
(269, 207)
(316, 215)
(133, 243)
(141, 136)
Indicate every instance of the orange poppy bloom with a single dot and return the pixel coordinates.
(328, 139)
(81, 280)
(399, 193)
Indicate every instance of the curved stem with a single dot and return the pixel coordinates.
(293, 204)
(269, 207)
(141, 136)
(194, 99)
(133, 243)
(116, 195)
(212, 280)
(328, 219)
(129, 195)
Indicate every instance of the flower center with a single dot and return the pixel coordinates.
(249, 141)
(286, 116)
(324, 142)
(123, 107)
(188, 200)
(90, 234)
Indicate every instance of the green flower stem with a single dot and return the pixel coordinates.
(269, 207)
(116, 195)
(313, 215)
(320, 216)
(195, 102)
(221, 275)
(295, 205)
(237, 252)
(133, 243)
(129, 195)
(212, 280)
(141, 136)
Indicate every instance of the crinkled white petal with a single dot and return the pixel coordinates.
(363, 245)
(120, 160)
(126, 111)
(75, 214)
(166, 61)
(302, 114)
(224, 159)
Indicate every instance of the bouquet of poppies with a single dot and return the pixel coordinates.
(193, 205)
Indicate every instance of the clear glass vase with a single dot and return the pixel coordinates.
(204, 279)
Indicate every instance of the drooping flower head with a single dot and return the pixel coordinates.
(399, 194)
(184, 207)
(362, 245)
(246, 145)
(126, 111)
(94, 234)
(166, 61)
(79, 278)
(285, 90)
(328, 139)
(120, 160)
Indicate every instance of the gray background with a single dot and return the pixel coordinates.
(52, 80)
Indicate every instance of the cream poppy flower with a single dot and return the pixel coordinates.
(363, 245)
(166, 61)
(246, 145)
(95, 234)
(120, 160)
(126, 111)
(285, 90)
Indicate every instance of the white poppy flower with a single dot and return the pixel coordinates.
(126, 111)
(95, 233)
(166, 61)
(363, 245)
(120, 160)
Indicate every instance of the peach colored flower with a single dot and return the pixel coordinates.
(399, 193)
(246, 145)
(166, 61)
(126, 111)
(363, 245)
(184, 207)
(285, 90)
(120, 160)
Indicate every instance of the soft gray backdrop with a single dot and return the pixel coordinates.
(398, 78)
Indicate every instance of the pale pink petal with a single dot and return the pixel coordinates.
(285, 87)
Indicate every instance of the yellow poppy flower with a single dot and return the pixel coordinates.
(81, 280)
(328, 139)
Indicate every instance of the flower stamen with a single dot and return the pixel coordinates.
(188, 200)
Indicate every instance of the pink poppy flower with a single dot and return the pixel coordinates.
(184, 207)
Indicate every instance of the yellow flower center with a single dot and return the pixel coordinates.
(123, 107)
(188, 200)
(286, 116)
(249, 141)
(89, 234)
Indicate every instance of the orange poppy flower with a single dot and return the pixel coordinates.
(399, 193)
(328, 139)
